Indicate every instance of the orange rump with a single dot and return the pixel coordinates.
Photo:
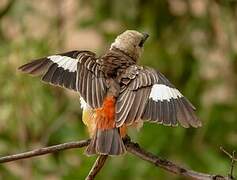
(105, 116)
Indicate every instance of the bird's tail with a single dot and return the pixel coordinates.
(106, 142)
(106, 139)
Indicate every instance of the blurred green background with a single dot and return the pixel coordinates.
(193, 42)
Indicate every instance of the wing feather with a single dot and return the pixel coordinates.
(155, 100)
(76, 70)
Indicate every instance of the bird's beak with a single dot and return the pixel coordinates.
(145, 36)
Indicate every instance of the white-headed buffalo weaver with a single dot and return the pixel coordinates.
(116, 92)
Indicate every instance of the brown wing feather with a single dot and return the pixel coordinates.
(155, 100)
(76, 70)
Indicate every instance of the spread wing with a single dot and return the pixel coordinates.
(149, 96)
(75, 70)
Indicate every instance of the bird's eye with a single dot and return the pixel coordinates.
(141, 43)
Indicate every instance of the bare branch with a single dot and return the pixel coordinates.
(99, 163)
(132, 147)
(46, 150)
(136, 150)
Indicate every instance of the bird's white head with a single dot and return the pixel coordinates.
(130, 42)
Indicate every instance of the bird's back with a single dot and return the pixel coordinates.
(115, 62)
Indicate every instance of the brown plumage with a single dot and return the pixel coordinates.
(115, 62)
(117, 91)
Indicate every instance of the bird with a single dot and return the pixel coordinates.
(116, 93)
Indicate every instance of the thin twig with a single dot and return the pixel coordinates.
(228, 154)
(45, 150)
(99, 163)
(233, 160)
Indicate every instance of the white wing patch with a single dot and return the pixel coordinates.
(160, 92)
(67, 63)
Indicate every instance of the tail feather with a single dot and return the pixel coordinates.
(106, 142)
(106, 139)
